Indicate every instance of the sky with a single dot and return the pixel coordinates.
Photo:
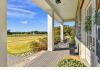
(23, 15)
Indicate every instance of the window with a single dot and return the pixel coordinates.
(89, 33)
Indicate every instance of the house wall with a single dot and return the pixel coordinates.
(78, 44)
(98, 35)
(81, 43)
(85, 52)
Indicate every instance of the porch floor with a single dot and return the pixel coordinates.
(43, 59)
(48, 59)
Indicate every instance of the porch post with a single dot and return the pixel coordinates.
(3, 34)
(61, 32)
(94, 59)
(51, 32)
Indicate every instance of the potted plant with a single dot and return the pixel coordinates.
(72, 45)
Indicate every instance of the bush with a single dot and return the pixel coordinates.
(70, 63)
(56, 39)
(38, 46)
(43, 44)
(34, 45)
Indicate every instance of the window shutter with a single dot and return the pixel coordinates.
(98, 33)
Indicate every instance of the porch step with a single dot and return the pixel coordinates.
(61, 45)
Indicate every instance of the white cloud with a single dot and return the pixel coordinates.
(24, 22)
(18, 12)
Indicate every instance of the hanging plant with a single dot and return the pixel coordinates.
(89, 20)
(88, 23)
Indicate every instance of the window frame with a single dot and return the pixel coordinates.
(88, 12)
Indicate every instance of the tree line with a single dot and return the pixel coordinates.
(31, 32)
(68, 31)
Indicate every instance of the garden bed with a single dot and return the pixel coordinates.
(71, 61)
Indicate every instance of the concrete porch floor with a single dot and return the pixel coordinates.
(48, 59)
(43, 59)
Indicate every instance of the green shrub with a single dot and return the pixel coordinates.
(70, 63)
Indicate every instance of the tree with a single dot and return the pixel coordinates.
(9, 32)
(68, 31)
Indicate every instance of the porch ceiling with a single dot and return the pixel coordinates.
(65, 11)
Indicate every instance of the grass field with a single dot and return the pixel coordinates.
(20, 45)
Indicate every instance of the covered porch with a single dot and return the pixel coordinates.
(63, 11)
(59, 10)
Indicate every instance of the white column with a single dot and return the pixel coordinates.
(94, 59)
(83, 36)
(3, 34)
(51, 32)
(61, 32)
